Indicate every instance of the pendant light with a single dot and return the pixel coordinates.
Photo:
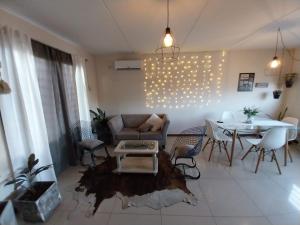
(168, 51)
(275, 63)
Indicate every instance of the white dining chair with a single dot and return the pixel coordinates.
(273, 140)
(292, 132)
(228, 116)
(216, 136)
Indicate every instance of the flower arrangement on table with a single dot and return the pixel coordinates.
(250, 112)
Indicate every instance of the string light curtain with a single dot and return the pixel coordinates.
(194, 80)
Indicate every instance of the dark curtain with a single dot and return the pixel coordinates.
(58, 91)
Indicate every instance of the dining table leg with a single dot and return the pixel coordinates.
(234, 136)
(286, 149)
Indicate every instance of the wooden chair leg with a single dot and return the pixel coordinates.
(228, 157)
(206, 144)
(212, 149)
(258, 160)
(290, 155)
(248, 152)
(272, 158)
(239, 137)
(219, 144)
(275, 158)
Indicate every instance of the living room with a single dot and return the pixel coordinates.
(149, 112)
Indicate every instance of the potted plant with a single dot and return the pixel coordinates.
(250, 113)
(7, 214)
(276, 94)
(100, 126)
(289, 79)
(39, 199)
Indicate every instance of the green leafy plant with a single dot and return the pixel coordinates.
(99, 116)
(250, 112)
(27, 176)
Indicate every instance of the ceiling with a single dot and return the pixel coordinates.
(113, 26)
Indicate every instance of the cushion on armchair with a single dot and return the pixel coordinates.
(183, 150)
(90, 144)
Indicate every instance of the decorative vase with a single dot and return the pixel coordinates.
(249, 119)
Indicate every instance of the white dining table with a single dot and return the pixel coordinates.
(257, 125)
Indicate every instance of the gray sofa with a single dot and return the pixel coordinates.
(124, 127)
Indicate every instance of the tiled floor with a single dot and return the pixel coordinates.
(227, 196)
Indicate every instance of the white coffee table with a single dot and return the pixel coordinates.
(138, 160)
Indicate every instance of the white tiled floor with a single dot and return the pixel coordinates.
(227, 196)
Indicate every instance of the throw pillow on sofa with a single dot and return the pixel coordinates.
(155, 121)
(145, 127)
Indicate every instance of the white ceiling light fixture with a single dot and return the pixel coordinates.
(168, 51)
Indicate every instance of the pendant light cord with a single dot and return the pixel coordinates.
(278, 31)
(168, 14)
(284, 47)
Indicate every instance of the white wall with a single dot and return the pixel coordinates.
(123, 91)
(41, 34)
(293, 93)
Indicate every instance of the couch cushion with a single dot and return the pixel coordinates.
(134, 120)
(151, 135)
(116, 124)
(128, 134)
(155, 121)
(145, 127)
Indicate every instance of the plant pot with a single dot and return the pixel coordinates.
(38, 207)
(289, 83)
(7, 214)
(276, 94)
(103, 132)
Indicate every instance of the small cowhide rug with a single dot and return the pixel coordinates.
(104, 183)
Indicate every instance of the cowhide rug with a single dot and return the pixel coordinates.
(104, 183)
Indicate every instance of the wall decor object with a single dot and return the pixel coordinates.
(262, 85)
(246, 81)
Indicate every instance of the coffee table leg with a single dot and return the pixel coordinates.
(119, 163)
(154, 159)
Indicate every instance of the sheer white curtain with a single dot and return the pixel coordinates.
(81, 87)
(21, 110)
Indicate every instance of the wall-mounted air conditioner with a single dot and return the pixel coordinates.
(128, 64)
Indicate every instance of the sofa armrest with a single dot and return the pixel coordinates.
(164, 129)
(115, 124)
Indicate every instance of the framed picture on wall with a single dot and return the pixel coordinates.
(246, 82)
